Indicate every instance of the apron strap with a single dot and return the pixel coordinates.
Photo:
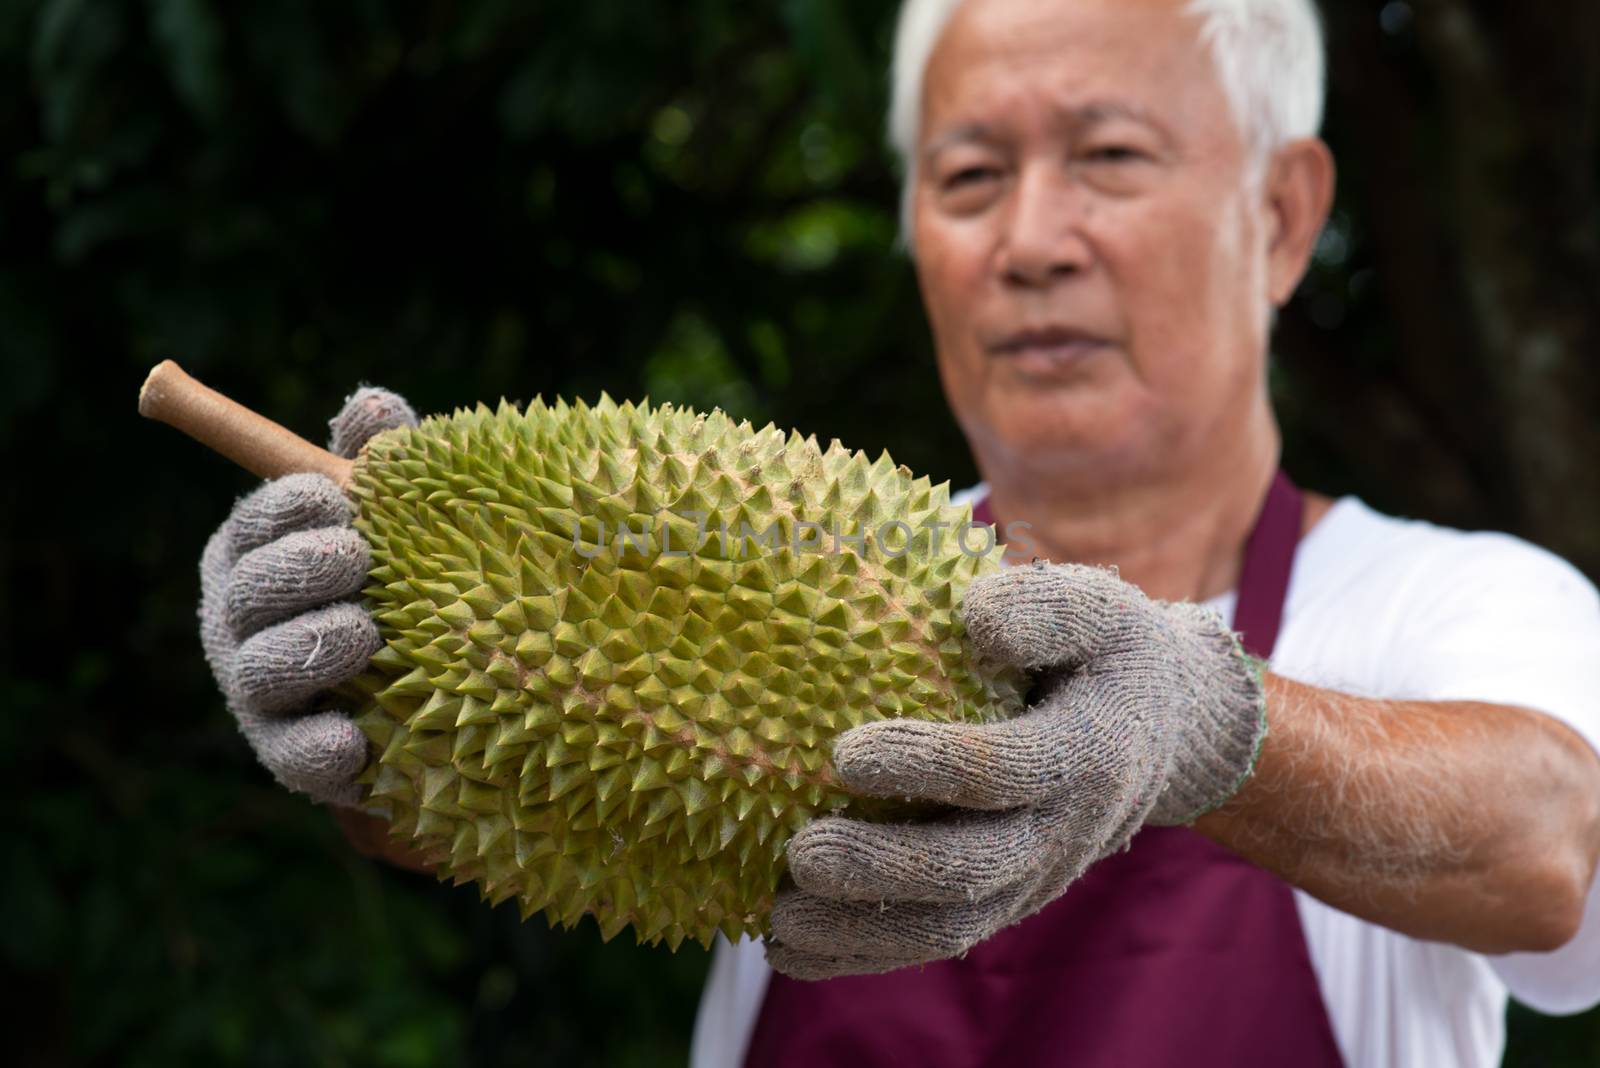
(1268, 559)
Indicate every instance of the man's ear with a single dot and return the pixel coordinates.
(1299, 194)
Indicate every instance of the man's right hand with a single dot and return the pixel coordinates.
(279, 614)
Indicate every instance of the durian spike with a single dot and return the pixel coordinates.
(248, 438)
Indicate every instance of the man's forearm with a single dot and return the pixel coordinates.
(1459, 822)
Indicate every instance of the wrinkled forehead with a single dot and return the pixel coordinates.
(1147, 58)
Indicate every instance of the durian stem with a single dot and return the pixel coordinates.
(249, 439)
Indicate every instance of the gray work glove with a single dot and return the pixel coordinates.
(280, 617)
(1147, 712)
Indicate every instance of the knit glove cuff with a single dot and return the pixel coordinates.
(1219, 731)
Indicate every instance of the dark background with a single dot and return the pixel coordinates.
(469, 199)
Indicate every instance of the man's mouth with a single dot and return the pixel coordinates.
(1047, 350)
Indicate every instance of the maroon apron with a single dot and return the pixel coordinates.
(1173, 953)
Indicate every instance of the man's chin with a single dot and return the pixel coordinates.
(1057, 439)
(1083, 407)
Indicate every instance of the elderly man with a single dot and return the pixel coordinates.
(1177, 855)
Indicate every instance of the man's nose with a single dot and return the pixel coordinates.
(1044, 241)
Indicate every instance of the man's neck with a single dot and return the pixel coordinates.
(1177, 538)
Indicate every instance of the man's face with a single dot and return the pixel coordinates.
(1091, 254)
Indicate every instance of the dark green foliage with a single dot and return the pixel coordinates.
(463, 200)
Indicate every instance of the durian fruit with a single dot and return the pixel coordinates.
(620, 640)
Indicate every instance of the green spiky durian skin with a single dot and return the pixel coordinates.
(636, 735)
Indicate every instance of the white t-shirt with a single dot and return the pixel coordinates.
(1392, 608)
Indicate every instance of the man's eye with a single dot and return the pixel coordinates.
(969, 176)
(1115, 154)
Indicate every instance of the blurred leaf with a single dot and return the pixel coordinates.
(191, 34)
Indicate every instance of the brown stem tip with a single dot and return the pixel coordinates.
(249, 439)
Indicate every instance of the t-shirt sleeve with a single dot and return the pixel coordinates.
(1509, 623)
(1565, 981)
(1505, 622)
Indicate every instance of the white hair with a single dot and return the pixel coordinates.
(1269, 57)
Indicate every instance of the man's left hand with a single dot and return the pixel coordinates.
(1147, 712)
